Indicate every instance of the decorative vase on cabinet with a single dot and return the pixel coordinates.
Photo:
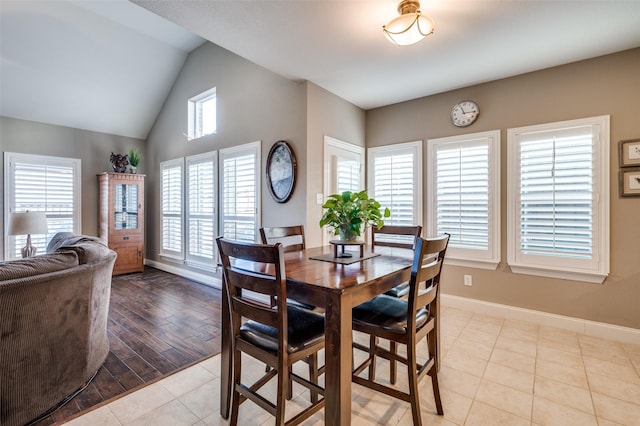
(121, 219)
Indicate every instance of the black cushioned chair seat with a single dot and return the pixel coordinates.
(387, 312)
(399, 291)
(306, 328)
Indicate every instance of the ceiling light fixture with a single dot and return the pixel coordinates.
(410, 27)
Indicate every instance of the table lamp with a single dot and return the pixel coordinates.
(28, 223)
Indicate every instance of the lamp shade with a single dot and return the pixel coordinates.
(410, 27)
(27, 223)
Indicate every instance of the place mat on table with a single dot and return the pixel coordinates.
(328, 257)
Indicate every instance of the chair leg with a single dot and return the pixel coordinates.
(432, 344)
(414, 396)
(313, 375)
(290, 385)
(284, 384)
(436, 390)
(393, 348)
(235, 403)
(373, 341)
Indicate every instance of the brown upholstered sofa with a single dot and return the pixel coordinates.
(53, 325)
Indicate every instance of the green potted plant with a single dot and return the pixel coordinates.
(350, 211)
(134, 159)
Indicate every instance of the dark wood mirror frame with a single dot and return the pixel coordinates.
(281, 171)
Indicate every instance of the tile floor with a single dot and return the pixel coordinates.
(494, 371)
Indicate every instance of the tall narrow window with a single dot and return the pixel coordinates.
(394, 181)
(40, 183)
(171, 177)
(464, 197)
(201, 218)
(558, 201)
(239, 175)
(202, 114)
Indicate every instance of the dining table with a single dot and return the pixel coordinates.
(316, 277)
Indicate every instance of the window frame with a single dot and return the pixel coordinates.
(482, 259)
(196, 121)
(557, 266)
(415, 149)
(10, 158)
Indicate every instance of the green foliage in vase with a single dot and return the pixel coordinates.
(134, 157)
(349, 212)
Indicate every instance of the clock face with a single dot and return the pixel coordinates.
(464, 113)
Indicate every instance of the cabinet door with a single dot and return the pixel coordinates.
(130, 258)
(126, 207)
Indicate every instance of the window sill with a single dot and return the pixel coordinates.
(469, 263)
(589, 277)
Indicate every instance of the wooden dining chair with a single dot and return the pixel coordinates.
(279, 336)
(291, 237)
(402, 237)
(396, 236)
(406, 322)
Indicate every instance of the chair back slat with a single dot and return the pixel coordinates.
(395, 236)
(291, 237)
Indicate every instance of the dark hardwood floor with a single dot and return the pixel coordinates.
(158, 324)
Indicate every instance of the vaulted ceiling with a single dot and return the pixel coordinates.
(108, 65)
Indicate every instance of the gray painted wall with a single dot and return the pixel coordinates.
(253, 104)
(609, 85)
(94, 149)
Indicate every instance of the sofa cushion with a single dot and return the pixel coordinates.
(38, 265)
(89, 249)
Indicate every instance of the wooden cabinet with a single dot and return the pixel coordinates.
(121, 219)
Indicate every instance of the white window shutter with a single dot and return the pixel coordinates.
(172, 212)
(240, 192)
(201, 207)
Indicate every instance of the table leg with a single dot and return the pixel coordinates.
(225, 357)
(338, 360)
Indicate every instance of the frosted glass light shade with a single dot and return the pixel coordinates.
(408, 29)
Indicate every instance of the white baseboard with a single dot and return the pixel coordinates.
(209, 280)
(591, 328)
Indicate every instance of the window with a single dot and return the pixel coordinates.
(395, 181)
(189, 232)
(558, 199)
(44, 184)
(239, 176)
(343, 171)
(202, 114)
(464, 197)
(202, 228)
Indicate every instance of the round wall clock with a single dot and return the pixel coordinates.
(281, 171)
(464, 113)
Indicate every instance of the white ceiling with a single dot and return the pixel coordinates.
(68, 56)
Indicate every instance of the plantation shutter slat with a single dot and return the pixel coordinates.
(172, 207)
(394, 187)
(201, 195)
(240, 196)
(347, 175)
(556, 193)
(462, 195)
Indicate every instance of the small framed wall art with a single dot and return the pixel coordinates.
(630, 182)
(629, 152)
(281, 171)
